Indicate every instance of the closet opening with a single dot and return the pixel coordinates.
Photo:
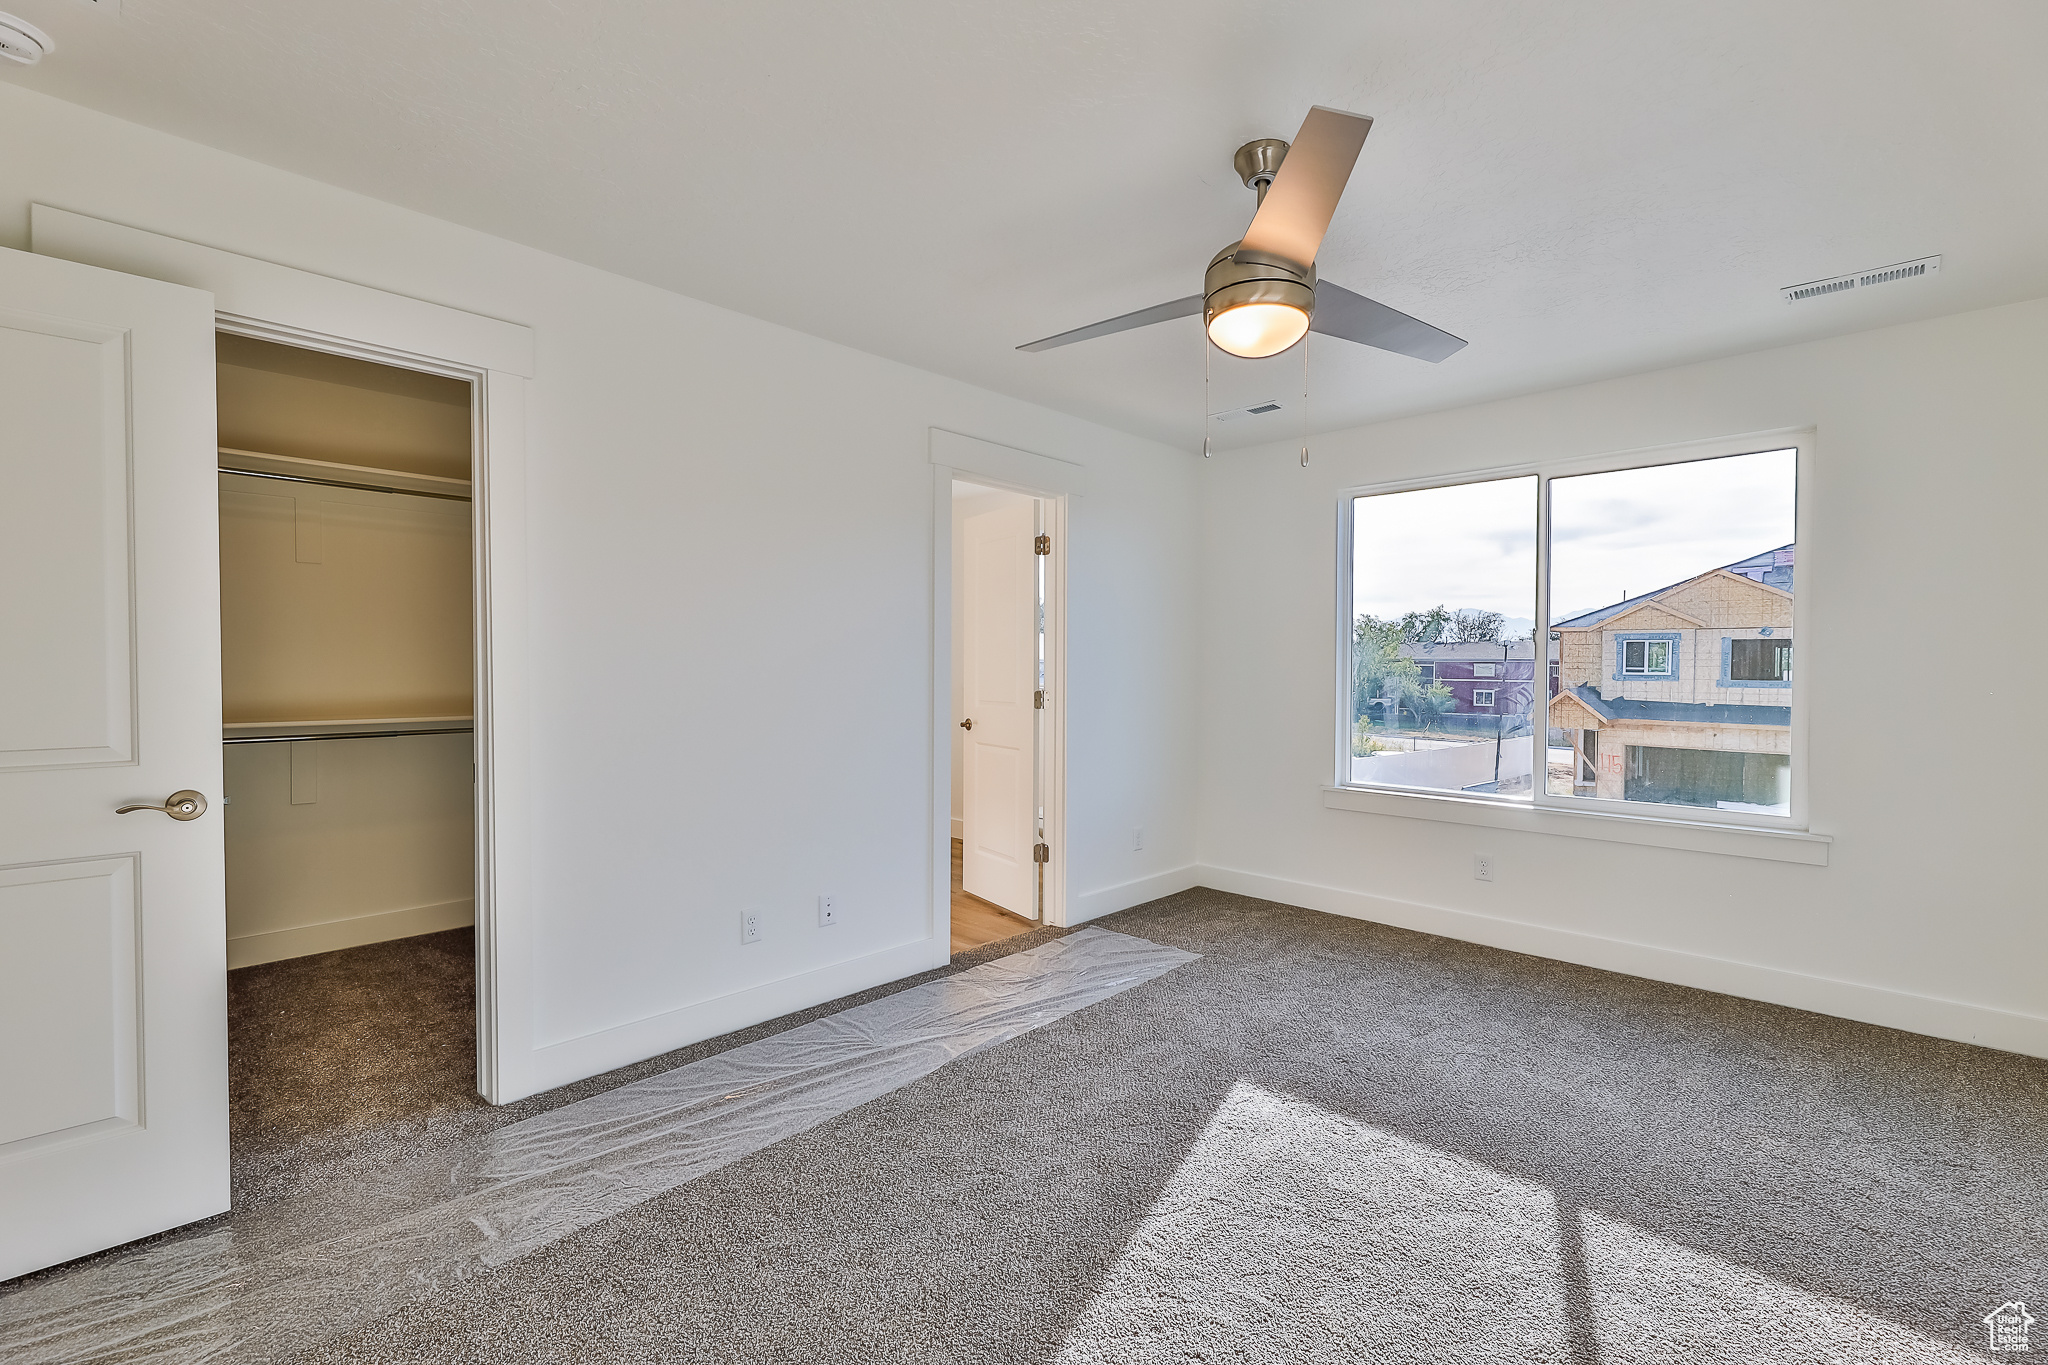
(348, 610)
(999, 711)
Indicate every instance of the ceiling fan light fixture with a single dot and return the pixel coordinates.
(1257, 330)
(1254, 306)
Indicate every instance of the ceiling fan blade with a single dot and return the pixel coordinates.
(1341, 313)
(1144, 317)
(1299, 203)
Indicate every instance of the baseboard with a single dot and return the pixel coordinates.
(1955, 1020)
(960, 830)
(306, 939)
(591, 1054)
(1110, 899)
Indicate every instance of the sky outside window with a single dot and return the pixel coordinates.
(1469, 546)
(1634, 531)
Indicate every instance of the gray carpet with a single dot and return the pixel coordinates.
(1325, 1141)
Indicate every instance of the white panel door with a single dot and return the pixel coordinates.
(113, 977)
(999, 668)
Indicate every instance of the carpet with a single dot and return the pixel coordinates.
(1323, 1141)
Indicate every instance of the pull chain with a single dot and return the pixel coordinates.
(1205, 395)
(1304, 401)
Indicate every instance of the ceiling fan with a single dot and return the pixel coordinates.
(1261, 294)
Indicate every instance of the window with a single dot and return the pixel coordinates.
(1646, 656)
(1650, 575)
(1760, 661)
(1438, 567)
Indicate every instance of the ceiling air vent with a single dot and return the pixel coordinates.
(1255, 410)
(1862, 279)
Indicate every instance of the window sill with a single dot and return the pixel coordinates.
(1783, 846)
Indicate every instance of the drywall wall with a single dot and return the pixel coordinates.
(340, 604)
(1924, 645)
(336, 843)
(730, 545)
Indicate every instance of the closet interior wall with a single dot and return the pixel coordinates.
(344, 611)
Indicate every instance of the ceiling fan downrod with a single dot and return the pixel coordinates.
(1256, 163)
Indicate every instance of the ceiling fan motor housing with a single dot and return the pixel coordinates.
(1238, 277)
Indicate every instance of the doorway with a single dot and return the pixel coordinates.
(999, 696)
(347, 665)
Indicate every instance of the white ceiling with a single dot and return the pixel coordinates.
(1579, 189)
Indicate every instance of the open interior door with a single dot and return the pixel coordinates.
(113, 974)
(999, 667)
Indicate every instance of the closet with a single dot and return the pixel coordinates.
(346, 649)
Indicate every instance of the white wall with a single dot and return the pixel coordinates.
(337, 843)
(730, 568)
(1927, 634)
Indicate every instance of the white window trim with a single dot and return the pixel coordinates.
(1781, 838)
(1697, 836)
(1486, 692)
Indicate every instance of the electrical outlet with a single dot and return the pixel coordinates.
(750, 927)
(1138, 840)
(828, 911)
(1482, 867)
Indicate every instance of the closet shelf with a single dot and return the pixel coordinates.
(374, 727)
(294, 469)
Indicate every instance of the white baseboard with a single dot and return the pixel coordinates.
(306, 939)
(1955, 1020)
(1110, 899)
(959, 828)
(573, 1059)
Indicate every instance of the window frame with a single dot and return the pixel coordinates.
(1540, 807)
(1486, 692)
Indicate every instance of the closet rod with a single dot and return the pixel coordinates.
(338, 483)
(358, 734)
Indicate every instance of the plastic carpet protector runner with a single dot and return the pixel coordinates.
(278, 1284)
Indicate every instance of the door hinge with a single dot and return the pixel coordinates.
(1042, 545)
(1041, 853)
(1038, 700)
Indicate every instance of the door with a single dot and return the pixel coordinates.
(999, 667)
(113, 975)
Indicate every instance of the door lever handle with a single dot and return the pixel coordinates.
(184, 805)
(967, 724)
